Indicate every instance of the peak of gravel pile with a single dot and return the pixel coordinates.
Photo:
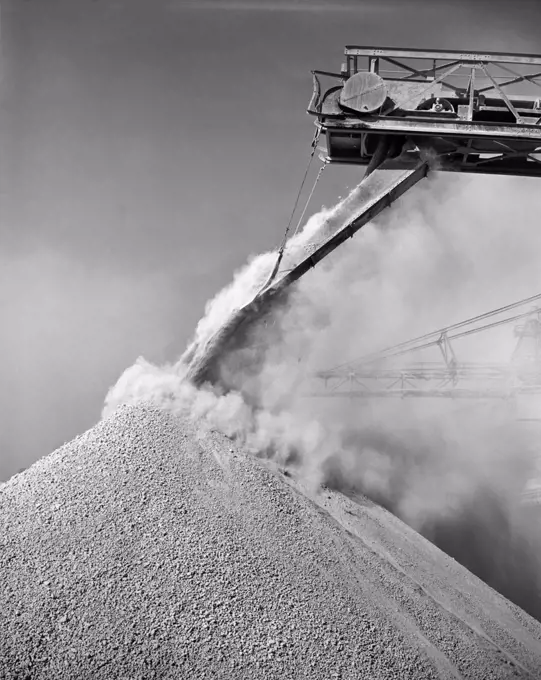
(145, 549)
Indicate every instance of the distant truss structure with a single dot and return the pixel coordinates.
(389, 373)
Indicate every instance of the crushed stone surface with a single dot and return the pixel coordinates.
(147, 548)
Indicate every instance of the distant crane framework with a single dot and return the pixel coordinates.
(386, 374)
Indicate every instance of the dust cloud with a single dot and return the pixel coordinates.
(452, 248)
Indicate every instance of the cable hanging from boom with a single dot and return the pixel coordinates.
(281, 249)
(299, 223)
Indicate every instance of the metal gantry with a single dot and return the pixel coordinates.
(474, 112)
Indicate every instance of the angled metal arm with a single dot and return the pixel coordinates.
(437, 80)
(502, 93)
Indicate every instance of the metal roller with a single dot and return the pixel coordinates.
(364, 92)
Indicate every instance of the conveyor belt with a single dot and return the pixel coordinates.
(369, 199)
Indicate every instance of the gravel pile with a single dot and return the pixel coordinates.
(146, 549)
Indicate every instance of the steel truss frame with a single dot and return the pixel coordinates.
(376, 376)
(486, 128)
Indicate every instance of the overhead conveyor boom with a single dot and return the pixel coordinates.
(391, 111)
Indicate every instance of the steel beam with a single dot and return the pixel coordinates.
(496, 168)
(453, 128)
(477, 57)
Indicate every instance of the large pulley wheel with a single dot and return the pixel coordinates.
(364, 92)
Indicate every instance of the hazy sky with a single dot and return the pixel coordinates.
(147, 148)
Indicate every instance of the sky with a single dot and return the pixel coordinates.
(147, 148)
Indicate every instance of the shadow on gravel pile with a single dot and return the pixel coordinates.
(487, 533)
